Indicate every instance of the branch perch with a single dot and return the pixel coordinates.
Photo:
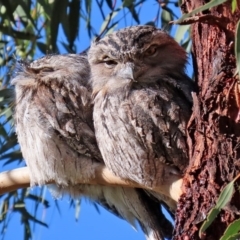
(19, 178)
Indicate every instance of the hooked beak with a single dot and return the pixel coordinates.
(127, 71)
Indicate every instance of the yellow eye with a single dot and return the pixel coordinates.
(151, 51)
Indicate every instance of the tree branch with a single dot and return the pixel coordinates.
(14, 179)
(19, 178)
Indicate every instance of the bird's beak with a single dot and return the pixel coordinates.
(127, 71)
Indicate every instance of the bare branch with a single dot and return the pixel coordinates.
(14, 179)
(19, 178)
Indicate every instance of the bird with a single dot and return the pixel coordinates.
(142, 103)
(54, 124)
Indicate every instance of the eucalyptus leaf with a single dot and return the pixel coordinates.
(12, 156)
(110, 4)
(39, 199)
(47, 7)
(223, 199)
(181, 32)
(11, 161)
(27, 215)
(110, 17)
(207, 6)
(88, 6)
(73, 21)
(130, 5)
(10, 143)
(42, 47)
(231, 230)
(234, 5)
(234, 237)
(24, 11)
(18, 34)
(9, 9)
(59, 8)
(237, 47)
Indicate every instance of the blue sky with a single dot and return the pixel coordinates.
(91, 224)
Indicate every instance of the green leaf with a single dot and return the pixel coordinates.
(237, 47)
(109, 17)
(11, 161)
(180, 33)
(207, 6)
(11, 142)
(9, 9)
(59, 8)
(9, 93)
(7, 111)
(47, 7)
(234, 237)
(211, 216)
(23, 11)
(4, 209)
(111, 27)
(234, 5)
(13, 156)
(223, 199)
(88, 6)
(66, 46)
(150, 23)
(18, 34)
(231, 230)
(187, 45)
(130, 5)
(3, 131)
(110, 4)
(27, 215)
(73, 21)
(42, 47)
(225, 195)
(38, 199)
(166, 17)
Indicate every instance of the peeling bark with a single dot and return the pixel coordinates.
(214, 128)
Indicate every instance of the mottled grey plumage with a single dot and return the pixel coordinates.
(142, 102)
(55, 130)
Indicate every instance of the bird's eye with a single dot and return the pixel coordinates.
(42, 70)
(47, 69)
(151, 51)
(110, 63)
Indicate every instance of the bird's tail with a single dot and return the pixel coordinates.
(148, 212)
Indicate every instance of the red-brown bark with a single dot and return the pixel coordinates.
(214, 128)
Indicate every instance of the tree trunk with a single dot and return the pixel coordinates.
(214, 128)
